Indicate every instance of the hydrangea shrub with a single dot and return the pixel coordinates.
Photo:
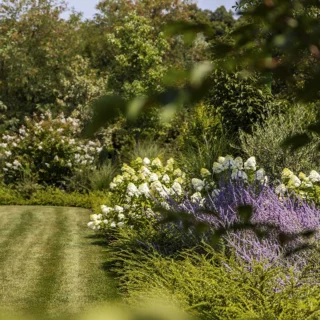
(141, 186)
(225, 169)
(304, 186)
(46, 148)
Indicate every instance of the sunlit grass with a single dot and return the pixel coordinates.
(51, 265)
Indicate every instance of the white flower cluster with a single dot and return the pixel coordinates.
(110, 217)
(140, 186)
(234, 168)
(301, 184)
(48, 141)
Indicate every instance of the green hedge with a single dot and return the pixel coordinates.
(55, 197)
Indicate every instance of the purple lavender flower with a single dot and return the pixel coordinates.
(290, 216)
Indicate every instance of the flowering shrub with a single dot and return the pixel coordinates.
(226, 168)
(307, 187)
(47, 149)
(141, 186)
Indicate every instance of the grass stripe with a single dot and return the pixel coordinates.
(57, 262)
(49, 274)
(27, 262)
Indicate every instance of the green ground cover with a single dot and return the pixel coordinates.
(51, 265)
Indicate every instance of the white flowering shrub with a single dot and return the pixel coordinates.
(307, 187)
(226, 168)
(141, 186)
(46, 148)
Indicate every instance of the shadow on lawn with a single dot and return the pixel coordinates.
(101, 241)
(97, 240)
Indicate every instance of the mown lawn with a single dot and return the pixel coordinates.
(50, 263)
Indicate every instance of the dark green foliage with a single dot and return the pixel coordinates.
(239, 101)
(53, 197)
(200, 140)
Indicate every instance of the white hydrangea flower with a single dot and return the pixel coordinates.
(229, 163)
(239, 163)
(177, 173)
(165, 205)
(197, 184)
(91, 225)
(118, 209)
(112, 186)
(260, 175)
(94, 217)
(281, 189)
(105, 221)
(145, 170)
(153, 177)
(132, 190)
(217, 167)
(120, 224)
(196, 197)
(221, 160)
(307, 184)
(56, 158)
(176, 187)
(105, 209)
(179, 180)
(113, 224)
(157, 163)
(8, 153)
(9, 165)
(128, 169)
(166, 178)
(250, 164)
(146, 161)
(314, 176)
(144, 189)
(286, 174)
(157, 186)
(170, 161)
(294, 181)
(205, 173)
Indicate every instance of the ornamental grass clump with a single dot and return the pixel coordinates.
(143, 185)
(272, 220)
(47, 149)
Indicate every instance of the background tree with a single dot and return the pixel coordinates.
(41, 66)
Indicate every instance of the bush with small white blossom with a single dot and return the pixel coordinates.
(226, 168)
(141, 186)
(46, 148)
(305, 186)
